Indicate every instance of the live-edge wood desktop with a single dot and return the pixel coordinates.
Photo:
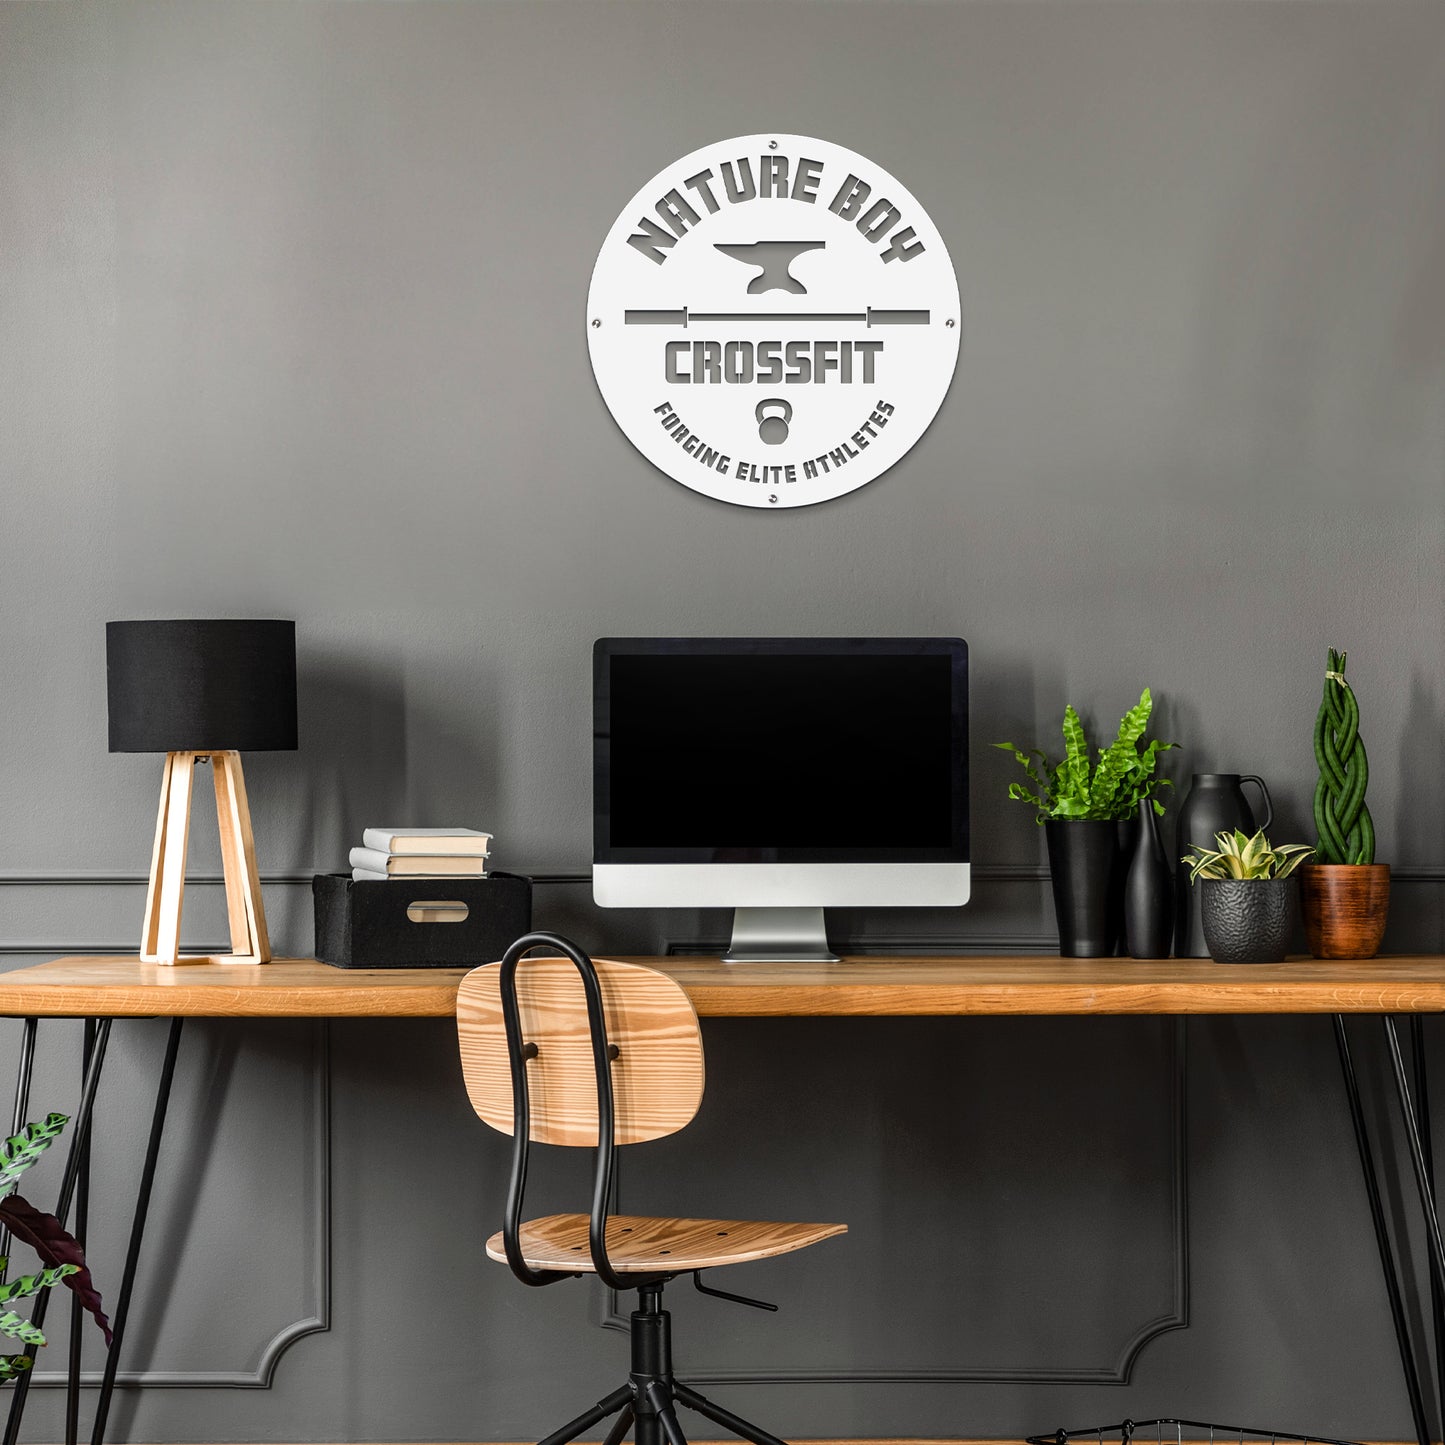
(875, 985)
(102, 989)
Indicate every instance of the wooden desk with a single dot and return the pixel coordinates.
(106, 988)
(109, 987)
(873, 986)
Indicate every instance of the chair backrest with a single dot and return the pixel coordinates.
(657, 1074)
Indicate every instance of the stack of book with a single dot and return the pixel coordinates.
(420, 853)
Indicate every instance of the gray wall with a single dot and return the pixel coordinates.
(291, 324)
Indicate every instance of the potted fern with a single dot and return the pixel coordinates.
(1247, 896)
(61, 1257)
(1085, 808)
(1346, 894)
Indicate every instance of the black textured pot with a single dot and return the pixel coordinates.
(1086, 869)
(1216, 804)
(1247, 920)
(1148, 891)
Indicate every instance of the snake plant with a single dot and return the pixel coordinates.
(1110, 789)
(1241, 857)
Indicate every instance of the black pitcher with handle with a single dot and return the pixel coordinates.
(1216, 804)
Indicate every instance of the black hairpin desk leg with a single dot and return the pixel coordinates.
(1423, 1182)
(17, 1116)
(1422, 1113)
(78, 1137)
(1382, 1235)
(74, 1187)
(82, 1219)
(137, 1230)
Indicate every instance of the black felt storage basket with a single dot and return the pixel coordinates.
(366, 925)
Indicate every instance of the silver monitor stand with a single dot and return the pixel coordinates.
(779, 935)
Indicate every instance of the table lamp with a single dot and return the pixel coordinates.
(199, 690)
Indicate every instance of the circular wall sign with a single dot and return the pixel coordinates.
(773, 321)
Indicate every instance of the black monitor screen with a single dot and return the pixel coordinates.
(779, 750)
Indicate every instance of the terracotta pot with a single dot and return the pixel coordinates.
(1345, 906)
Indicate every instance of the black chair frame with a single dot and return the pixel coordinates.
(518, 1053)
(646, 1404)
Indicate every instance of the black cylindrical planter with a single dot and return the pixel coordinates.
(1247, 920)
(1148, 891)
(1086, 869)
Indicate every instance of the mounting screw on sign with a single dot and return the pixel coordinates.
(783, 321)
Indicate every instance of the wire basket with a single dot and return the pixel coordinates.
(1171, 1432)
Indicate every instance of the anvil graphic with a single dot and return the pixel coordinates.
(773, 259)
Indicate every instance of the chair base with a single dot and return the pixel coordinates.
(647, 1403)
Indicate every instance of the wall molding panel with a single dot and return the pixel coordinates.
(1173, 1313)
(261, 1377)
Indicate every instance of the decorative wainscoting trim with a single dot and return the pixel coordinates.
(109, 878)
(121, 950)
(1175, 1317)
(315, 1323)
(991, 1440)
(910, 944)
(913, 943)
(984, 872)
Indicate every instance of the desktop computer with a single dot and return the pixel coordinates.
(779, 777)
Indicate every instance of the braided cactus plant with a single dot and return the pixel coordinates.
(1346, 831)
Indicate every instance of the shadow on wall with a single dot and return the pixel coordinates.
(1417, 814)
(1002, 704)
(385, 742)
(385, 739)
(1176, 719)
(353, 756)
(454, 745)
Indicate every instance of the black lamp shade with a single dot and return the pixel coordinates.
(201, 685)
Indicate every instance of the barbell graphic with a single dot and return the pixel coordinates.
(683, 316)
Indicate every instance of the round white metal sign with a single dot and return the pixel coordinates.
(773, 321)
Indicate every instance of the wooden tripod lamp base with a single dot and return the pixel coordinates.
(161, 934)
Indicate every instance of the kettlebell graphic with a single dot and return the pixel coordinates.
(773, 416)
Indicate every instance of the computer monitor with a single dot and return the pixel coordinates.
(779, 777)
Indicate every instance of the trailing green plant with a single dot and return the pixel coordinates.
(62, 1259)
(1241, 857)
(1074, 787)
(1346, 830)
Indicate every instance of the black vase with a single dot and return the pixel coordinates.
(1247, 920)
(1216, 804)
(1148, 891)
(1086, 869)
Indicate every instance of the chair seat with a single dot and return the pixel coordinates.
(636, 1243)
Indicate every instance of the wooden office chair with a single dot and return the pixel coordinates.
(572, 1052)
